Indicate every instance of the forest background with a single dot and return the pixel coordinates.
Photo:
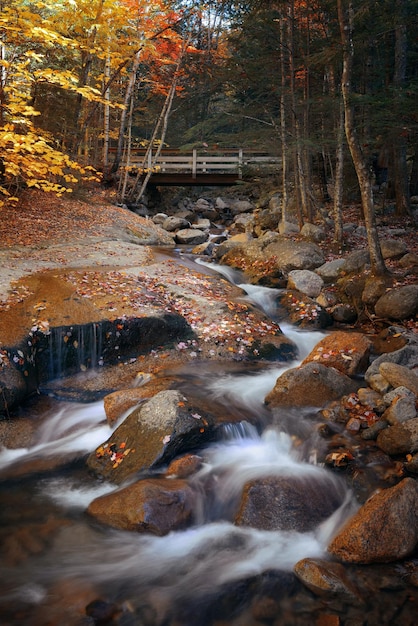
(330, 86)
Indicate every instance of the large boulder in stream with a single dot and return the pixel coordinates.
(267, 258)
(288, 502)
(152, 435)
(312, 384)
(384, 529)
(347, 352)
(153, 505)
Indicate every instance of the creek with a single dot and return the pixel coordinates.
(56, 556)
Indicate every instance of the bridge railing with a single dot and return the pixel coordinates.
(195, 163)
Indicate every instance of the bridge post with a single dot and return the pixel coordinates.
(194, 163)
(240, 161)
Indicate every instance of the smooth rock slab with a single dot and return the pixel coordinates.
(326, 578)
(154, 505)
(384, 529)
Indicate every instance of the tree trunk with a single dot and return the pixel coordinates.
(345, 18)
(338, 183)
(400, 168)
(283, 129)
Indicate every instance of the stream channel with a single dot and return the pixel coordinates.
(213, 573)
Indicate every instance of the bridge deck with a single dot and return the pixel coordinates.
(175, 168)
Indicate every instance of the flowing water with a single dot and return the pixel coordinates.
(51, 545)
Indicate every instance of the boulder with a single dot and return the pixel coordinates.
(152, 435)
(374, 289)
(312, 384)
(326, 578)
(399, 376)
(406, 356)
(13, 388)
(305, 281)
(399, 303)
(153, 505)
(392, 248)
(347, 352)
(344, 313)
(294, 255)
(312, 232)
(241, 206)
(303, 311)
(174, 223)
(356, 261)
(401, 410)
(288, 228)
(331, 270)
(191, 236)
(400, 438)
(287, 503)
(384, 529)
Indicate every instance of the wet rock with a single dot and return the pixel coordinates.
(174, 223)
(305, 281)
(118, 402)
(384, 529)
(347, 352)
(191, 236)
(399, 303)
(312, 384)
(313, 232)
(184, 466)
(206, 248)
(287, 503)
(326, 578)
(152, 435)
(400, 438)
(399, 376)
(153, 505)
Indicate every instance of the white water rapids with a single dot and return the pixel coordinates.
(195, 561)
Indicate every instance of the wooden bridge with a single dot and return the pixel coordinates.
(200, 168)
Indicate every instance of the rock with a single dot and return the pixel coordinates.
(389, 339)
(401, 410)
(312, 384)
(327, 298)
(399, 376)
(344, 313)
(287, 503)
(221, 204)
(392, 248)
(241, 206)
(399, 303)
(406, 356)
(152, 435)
(325, 578)
(202, 205)
(206, 248)
(184, 466)
(191, 236)
(153, 505)
(400, 438)
(13, 388)
(313, 232)
(304, 312)
(265, 220)
(175, 223)
(293, 255)
(374, 289)
(356, 261)
(243, 222)
(331, 270)
(409, 260)
(159, 218)
(202, 224)
(288, 228)
(347, 352)
(305, 281)
(384, 529)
